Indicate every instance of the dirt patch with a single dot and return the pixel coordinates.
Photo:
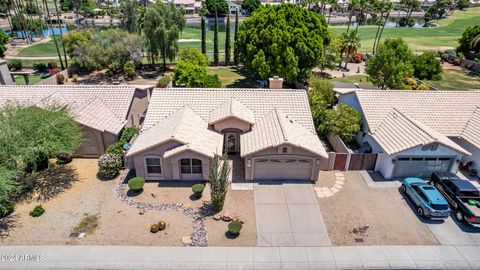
(326, 179)
(447, 65)
(359, 215)
(144, 77)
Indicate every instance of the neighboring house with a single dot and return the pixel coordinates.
(101, 111)
(270, 132)
(417, 132)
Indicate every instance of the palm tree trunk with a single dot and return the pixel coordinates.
(329, 15)
(61, 32)
(54, 38)
(21, 21)
(40, 16)
(381, 32)
(378, 30)
(349, 21)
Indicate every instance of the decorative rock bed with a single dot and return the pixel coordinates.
(196, 216)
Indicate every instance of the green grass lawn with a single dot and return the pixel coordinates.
(196, 33)
(232, 77)
(33, 79)
(42, 49)
(360, 79)
(420, 39)
(454, 79)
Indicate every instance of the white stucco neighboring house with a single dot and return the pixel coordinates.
(101, 111)
(417, 132)
(270, 133)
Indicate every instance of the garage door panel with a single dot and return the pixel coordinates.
(282, 169)
(420, 167)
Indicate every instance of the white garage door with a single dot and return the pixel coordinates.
(282, 169)
(421, 166)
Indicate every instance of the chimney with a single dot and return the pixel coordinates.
(5, 76)
(275, 83)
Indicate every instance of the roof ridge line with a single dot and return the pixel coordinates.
(416, 123)
(281, 124)
(469, 119)
(179, 120)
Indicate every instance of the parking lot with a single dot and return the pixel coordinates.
(360, 214)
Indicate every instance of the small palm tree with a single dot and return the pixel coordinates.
(475, 42)
(352, 43)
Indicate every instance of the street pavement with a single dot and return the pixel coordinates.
(149, 257)
(288, 214)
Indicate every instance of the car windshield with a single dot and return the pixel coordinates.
(440, 206)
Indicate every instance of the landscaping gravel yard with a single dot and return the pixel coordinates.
(359, 215)
(81, 193)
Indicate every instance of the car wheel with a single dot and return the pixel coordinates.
(420, 212)
(459, 216)
(403, 188)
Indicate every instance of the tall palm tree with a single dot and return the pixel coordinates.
(21, 20)
(352, 43)
(59, 22)
(333, 5)
(54, 38)
(379, 7)
(388, 7)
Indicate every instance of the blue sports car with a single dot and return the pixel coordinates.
(429, 201)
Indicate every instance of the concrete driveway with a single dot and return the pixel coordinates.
(288, 215)
(451, 232)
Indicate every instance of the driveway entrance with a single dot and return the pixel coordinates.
(288, 215)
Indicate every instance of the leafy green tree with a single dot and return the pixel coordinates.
(88, 6)
(391, 64)
(235, 49)
(343, 121)
(218, 179)
(215, 42)
(130, 15)
(427, 67)
(191, 70)
(332, 51)
(410, 6)
(3, 41)
(31, 135)
(8, 189)
(161, 29)
(463, 4)
(284, 40)
(219, 7)
(321, 89)
(466, 41)
(251, 5)
(77, 38)
(227, 42)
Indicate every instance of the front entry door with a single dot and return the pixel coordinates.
(231, 145)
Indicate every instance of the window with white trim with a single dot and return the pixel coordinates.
(190, 166)
(153, 165)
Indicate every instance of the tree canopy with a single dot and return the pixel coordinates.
(161, 29)
(427, 67)
(466, 44)
(130, 10)
(220, 7)
(251, 5)
(390, 64)
(3, 41)
(283, 40)
(191, 70)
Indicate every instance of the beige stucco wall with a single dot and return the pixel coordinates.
(102, 140)
(295, 152)
(138, 106)
(232, 122)
(170, 166)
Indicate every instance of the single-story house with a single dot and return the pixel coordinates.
(101, 111)
(270, 131)
(417, 132)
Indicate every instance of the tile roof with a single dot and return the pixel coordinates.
(232, 108)
(114, 100)
(184, 126)
(444, 112)
(472, 129)
(277, 128)
(293, 102)
(398, 133)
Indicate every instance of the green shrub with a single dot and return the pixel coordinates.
(423, 86)
(14, 64)
(136, 183)
(154, 228)
(109, 165)
(37, 211)
(40, 67)
(234, 227)
(115, 148)
(127, 135)
(198, 190)
(129, 70)
(164, 81)
(64, 158)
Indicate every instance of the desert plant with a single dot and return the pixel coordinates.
(64, 158)
(15, 65)
(423, 86)
(40, 67)
(136, 184)
(154, 228)
(109, 165)
(234, 227)
(198, 190)
(218, 179)
(129, 70)
(164, 81)
(162, 225)
(88, 224)
(60, 78)
(37, 211)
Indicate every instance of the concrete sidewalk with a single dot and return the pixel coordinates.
(135, 257)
